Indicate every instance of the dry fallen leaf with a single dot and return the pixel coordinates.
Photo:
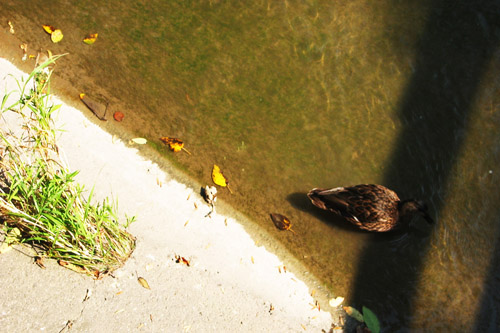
(97, 108)
(143, 282)
(39, 262)
(280, 267)
(179, 259)
(174, 144)
(315, 306)
(118, 116)
(74, 268)
(56, 35)
(48, 28)
(219, 179)
(90, 39)
(281, 222)
(12, 237)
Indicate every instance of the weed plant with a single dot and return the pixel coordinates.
(39, 195)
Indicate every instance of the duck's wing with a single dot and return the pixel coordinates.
(372, 203)
(335, 199)
(361, 204)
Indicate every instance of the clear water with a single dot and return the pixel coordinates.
(289, 95)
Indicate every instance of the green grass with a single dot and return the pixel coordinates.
(40, 197)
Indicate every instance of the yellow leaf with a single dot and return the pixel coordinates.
(217, 176)
(175, 145)
(56, 36)
(48, 28)
(90, 39)
(143, 282)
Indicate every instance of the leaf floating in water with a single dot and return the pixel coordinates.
(371, 320)
(281, 222)
(352, 312)
(139, 141)
(143, 282)
(56, 35)
(48, 28)
(118, 116)
(98, 109)
(174, 144)
(90, 39)
(334, 302)
(219, 179)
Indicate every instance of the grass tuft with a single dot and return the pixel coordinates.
(39, 195)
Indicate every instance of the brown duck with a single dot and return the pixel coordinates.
(368, 206)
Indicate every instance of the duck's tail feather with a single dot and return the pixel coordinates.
(326, 199)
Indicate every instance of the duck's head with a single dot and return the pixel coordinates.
(412, 207)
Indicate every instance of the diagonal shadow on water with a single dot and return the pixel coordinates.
(488, 314)
(456, 44)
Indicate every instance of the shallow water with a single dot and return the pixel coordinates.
(287, 96)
